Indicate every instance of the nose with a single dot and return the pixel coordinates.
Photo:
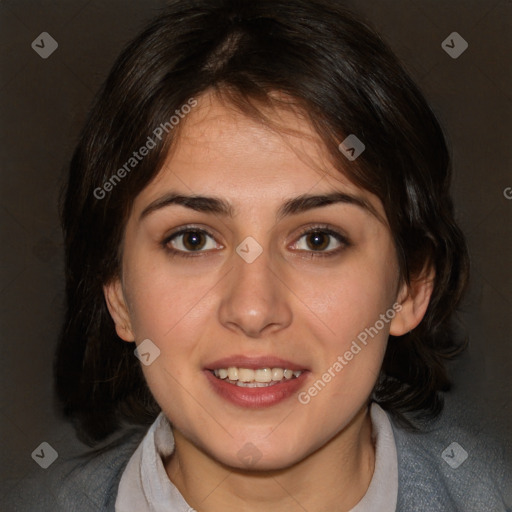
(255, 302)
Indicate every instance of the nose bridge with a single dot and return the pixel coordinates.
(253, 300)
(251, 273)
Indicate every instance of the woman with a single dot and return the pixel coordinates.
(262, 266)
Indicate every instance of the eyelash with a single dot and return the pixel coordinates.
(323, 229)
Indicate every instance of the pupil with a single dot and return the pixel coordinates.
(193, 240)
(318, 241)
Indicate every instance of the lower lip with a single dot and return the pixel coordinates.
(256, 398)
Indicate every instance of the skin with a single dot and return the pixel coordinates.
(290, 302)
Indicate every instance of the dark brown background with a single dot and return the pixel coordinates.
(43, 104)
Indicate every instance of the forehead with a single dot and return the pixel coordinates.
(222, 151)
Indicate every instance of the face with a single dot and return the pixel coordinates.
(249, 255)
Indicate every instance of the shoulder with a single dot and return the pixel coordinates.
(85, 482)
(450, 465)
(94, 477)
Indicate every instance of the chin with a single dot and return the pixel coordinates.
(261, 462)
(252, 456)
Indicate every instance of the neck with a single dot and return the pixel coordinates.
(334, 477)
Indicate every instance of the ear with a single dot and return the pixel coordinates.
(414, 300)
(116, 303)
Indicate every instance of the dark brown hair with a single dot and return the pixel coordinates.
(344, 78)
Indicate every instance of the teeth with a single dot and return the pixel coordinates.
(277, 373)
(261, 377)
(245, 375)
(254, 384)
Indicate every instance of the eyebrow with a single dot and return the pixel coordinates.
(218, 206)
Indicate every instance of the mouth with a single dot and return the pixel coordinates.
(255, 382)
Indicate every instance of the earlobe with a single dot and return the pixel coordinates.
(414, 300)
(116, 304)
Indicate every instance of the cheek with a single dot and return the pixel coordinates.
(168, 310)
(347, 300)
(161, 300)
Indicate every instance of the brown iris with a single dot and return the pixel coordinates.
(193, 240)
(317, 241)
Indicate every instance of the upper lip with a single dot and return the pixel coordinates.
(254, 363)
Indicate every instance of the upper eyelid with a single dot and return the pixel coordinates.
(321, 228)
(185, 229)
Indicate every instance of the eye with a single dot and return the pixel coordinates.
(321, 240)
(189, 240)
